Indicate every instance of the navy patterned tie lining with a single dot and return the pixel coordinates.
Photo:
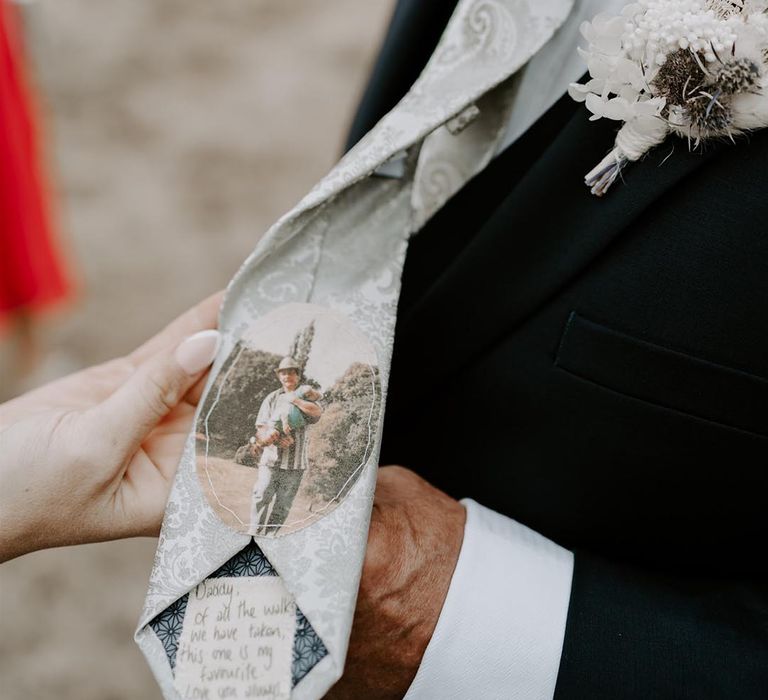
(253, 588)
(307, 648)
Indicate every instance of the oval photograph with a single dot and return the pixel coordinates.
(290, 421)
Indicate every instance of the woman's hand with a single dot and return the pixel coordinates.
(92, 456)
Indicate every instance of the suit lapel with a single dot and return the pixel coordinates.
(544, 233)
(413, 33)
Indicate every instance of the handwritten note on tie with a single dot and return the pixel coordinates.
(237, 640)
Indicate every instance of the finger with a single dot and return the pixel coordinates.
(156, 387)
(203, 316)
(194, 395)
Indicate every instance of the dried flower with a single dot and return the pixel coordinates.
(679, 77)
(726, 8)
(739, 75)
(707, 113)
(693, 67)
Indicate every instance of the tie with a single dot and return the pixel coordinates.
(253, 588)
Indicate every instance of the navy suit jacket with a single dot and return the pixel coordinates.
(617, 351)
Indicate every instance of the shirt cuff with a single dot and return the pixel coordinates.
(500, 632)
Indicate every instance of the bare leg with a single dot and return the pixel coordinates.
(263, 491)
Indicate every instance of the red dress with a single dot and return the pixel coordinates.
(31, 271)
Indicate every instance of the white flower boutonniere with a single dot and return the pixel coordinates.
(695, 68)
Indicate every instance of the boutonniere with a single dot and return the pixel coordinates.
(694, 68)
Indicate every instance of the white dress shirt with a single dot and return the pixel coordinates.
(501, 629)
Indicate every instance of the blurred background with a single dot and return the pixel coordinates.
(172, 134)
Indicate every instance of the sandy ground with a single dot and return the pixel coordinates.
(229, 486)
(181, 129)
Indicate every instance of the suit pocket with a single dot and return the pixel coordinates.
(664, 377)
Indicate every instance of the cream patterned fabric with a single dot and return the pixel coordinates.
(342, 248)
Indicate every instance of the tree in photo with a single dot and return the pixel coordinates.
(249, 374)
(342, 438)
(302, 346)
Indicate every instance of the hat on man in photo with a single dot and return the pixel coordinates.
(288, 363)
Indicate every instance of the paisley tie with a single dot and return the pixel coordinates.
(254, 583)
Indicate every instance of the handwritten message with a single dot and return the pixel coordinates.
(237, 640)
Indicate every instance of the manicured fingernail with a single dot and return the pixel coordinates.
(198, 351)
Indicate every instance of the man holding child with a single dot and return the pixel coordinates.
(281, 437)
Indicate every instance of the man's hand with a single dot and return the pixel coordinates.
(413, 546)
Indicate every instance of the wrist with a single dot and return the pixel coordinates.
(439, 559)
(14, 541)
(19, 533)
(508, 601)
(45, 496)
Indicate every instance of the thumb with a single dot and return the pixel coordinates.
(155, 388)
